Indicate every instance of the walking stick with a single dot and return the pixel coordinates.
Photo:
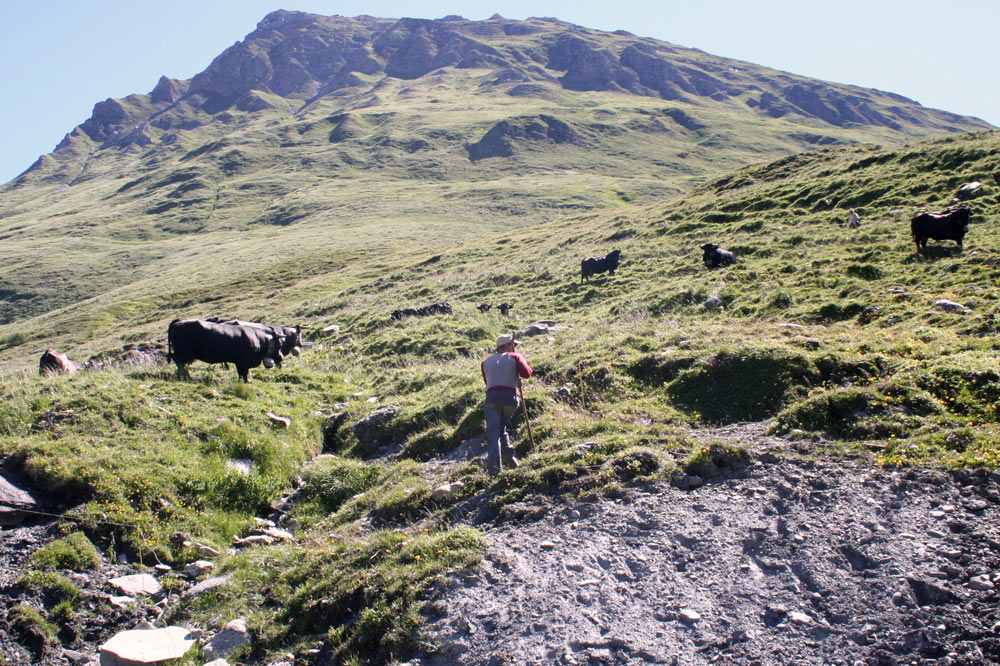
(524, 408)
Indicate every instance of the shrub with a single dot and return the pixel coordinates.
(745, 385)
(74, 552)
(709, 461)
(838, 311)
(637, 462)
(881, 411)
(330, 481)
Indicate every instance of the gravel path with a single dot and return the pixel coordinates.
(791, 562)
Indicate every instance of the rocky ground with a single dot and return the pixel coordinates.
(785, 561)
(788, 559)
(97, 620)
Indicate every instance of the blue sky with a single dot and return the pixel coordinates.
(60, 57)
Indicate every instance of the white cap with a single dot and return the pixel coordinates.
(505, 340)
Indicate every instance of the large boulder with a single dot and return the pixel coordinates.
(15, 503)
(367, 430)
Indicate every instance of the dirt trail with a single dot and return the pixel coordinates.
(788, 562)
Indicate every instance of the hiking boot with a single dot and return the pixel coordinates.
(511, 462)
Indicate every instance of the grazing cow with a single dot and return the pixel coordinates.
(246, 347)
(504, 309)
(56, 363)
(485, 307)
(422, 311)
(950, 224)
(291, 344)
(715, 256)
(606, 264)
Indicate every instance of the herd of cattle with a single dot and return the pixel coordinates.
(250, 344)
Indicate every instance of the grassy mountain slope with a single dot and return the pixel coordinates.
(832, 333)
(323, 141)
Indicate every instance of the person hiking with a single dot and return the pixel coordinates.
(500, 373)
(853, 220)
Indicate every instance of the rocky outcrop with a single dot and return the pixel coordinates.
(415, 47)
(107, 119)
(502, 138)
(370, 428)
(15, 503)
(167, 91)
(670, 81)
(591, 68)
(304, 57)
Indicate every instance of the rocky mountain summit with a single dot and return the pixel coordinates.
(295, 60)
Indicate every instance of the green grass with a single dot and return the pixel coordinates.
(831, 332)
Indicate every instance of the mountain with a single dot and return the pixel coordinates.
(317, 139)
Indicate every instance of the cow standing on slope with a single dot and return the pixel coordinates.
(950, 224)
(594, 265)
(246, 347)
(291, 344)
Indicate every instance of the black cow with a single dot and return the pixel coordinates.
(504, 309)
(485, 307)
(421, 311)
(950, 224)
(606, 264)
(291, 344)
(715, 256)
(246, 347)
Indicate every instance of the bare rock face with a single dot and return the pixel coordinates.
(107, 119)
(590, 68)
(415, 47)
(166, 91)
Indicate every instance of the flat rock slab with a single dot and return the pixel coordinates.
(136, 584)
(136, 647)
(13, 503)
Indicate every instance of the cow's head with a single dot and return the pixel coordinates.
(709, 248)
(296, 340)
(274, 355)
